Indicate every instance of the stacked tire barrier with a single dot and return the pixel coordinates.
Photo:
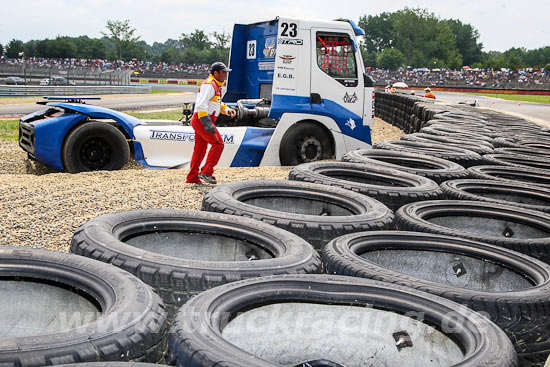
(405, 112)
(435, 249)
(502, 201)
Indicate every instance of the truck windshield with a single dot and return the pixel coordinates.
(336, 55)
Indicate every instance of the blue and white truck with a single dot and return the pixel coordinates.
(298, 85)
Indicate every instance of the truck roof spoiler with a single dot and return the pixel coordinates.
(358, 31)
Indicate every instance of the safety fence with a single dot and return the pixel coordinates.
(34, 74)
(28, 90)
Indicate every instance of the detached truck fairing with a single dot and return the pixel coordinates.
(298, 86)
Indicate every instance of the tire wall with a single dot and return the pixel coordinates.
(406, 112)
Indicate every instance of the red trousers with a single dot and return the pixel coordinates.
(202, 139)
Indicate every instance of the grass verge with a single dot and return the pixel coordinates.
(515, 97)
(159, 115)
(164, 91)
(9, 130)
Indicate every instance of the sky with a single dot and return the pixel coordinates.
(501, 24)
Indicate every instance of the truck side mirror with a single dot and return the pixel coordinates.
(369, 82)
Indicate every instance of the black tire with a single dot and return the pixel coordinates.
(536, 144)
(182, 253)
(127, 320)
(109, 364)
(500, 192)
(505, 143)
(536, 152)
(480, 276)
(94, 146)
(392, 187)
(436, 169)
(519, 229)
(456, 115)
(479, 147)
(317, 213)
(465, 126)
(527, 175)
(198, 339)
(305, 142)
(517, 160)
(464, 157)
(465, 132)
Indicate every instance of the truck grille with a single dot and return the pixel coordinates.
(26, 137)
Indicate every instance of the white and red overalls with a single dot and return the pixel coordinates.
(209, 102)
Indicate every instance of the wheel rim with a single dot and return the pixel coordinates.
(95, 153)
(310, 149)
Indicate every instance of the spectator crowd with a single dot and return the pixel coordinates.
(472, 78)
(106, 65)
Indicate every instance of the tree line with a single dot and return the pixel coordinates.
(408, 37)
(121, 42)
(418, 38)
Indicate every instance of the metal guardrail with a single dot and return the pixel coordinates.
(28, 90)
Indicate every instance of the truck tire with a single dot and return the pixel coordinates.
(317, 213)
(519, 229)
(94, 146)
(305, 142)
(436, 169)
(61, 308)
(500, 192)
(392, 187)
(464, 157)
(181, 253)
(477, 275)
(287, 320)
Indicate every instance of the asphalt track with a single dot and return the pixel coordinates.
(535, 112)
(133, 102)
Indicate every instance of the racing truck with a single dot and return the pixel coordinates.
(298, 85)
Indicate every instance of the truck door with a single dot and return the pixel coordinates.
(335, 73)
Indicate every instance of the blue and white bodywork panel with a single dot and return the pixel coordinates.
(171, 146)
(50, 133)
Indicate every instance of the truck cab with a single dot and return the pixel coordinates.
(307, 78)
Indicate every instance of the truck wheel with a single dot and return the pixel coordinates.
(305, 142)
(95, 146)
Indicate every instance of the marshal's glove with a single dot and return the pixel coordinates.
(209, 127)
